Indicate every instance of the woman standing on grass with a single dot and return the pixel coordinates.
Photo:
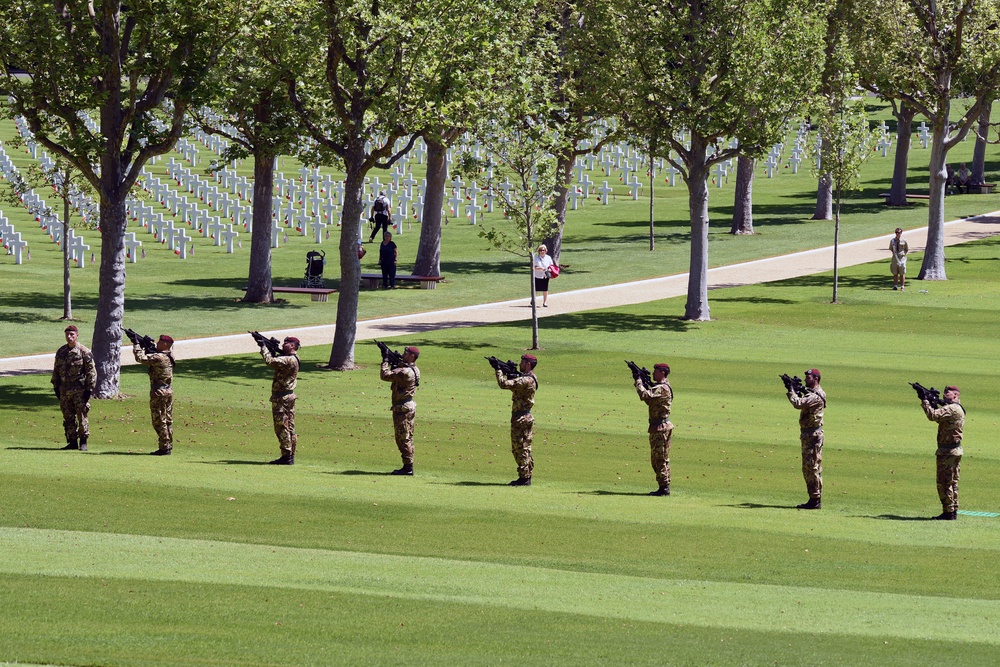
(542, 265)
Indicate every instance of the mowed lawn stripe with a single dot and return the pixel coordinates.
(701, 603)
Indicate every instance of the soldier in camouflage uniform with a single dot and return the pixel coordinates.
(74, 378)
(811, 407)
(160, 365)
(286, 373)
(405, 379)
(658, 397)
(521, 422)
(950, 418)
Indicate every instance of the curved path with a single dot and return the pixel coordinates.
(802, 263)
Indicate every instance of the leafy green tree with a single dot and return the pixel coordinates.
(67, 183)
(368, 89)
(467, 87)
(700, 74)
(249, 106)
(521, 153)
(120, 62)
(940, 48)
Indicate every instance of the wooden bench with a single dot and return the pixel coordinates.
(315, 293)
(909, 195)
(373, 280)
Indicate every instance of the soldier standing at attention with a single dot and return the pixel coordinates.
(74, 378)
(405, 379)
(950, 418)
(658, 397)
(160, 365)
(286, 373)
(811, 406)
(523, 389)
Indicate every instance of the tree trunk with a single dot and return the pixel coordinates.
(107, 339)
(743, 200)
(534, 305)
(979, 152)
(67, 294)
(904, 130)
(564, 170)
(836, 246)
(342, 352)
(652, 181)
(429, 249)
(824, 198)
(932, 267)
(696, 307)
(259, 280)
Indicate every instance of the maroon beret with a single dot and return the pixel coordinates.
(661, 367)
(530, 357)
(814, 372)
(293, 339)
(415, 351)
(71, 327)
(951, 387)
(166, 339)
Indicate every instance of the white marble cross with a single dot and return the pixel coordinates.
(16, 246)
(131, 243)
(77, 249)
(182, 243)
(472, 210)
(634, 185)
(605, 192)
(671, 171)
(227, 236)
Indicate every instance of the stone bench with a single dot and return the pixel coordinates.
(315, 293)
(373, 280)
(909, 195)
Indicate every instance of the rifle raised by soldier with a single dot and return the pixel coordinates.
(508, 368)
(147, 344)
(793, 384)
(272, 344)
(640, 373)
(932, 395)
(394, 358)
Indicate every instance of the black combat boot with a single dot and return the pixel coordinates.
(83, 444)
(71, 443)
(662, 491)
(947, 516)
(407, 469)
(813, 504)
(283, 460)
(521, 481)
(161, 452)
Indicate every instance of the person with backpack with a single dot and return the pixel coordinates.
(380, 215)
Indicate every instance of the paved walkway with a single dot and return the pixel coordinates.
(802, 263)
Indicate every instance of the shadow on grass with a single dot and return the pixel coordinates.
(756, 299)
(760, 506)
(897, 517)
(475, 483)
(235, 369)
(158, 303)
(236, 462)
(602, 492)
(612, 322)
(23, 397)
(360, 472)
(40, 449)
(869, 282)
(123, 453)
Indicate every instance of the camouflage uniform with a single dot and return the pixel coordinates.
(405, 379)
(951, 420)
(161, 395)
(811, 434)
(74, 377)
(286, 372)
(658, 398)
(521, 421)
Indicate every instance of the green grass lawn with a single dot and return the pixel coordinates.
(208, 557)
(603, 245)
